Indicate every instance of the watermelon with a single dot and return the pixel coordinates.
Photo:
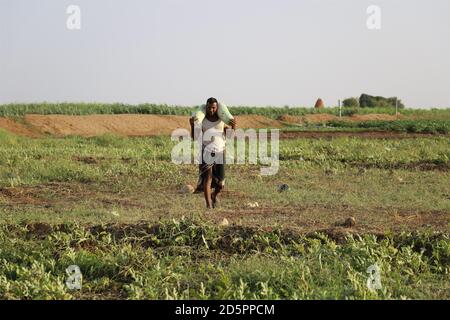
(223, 113)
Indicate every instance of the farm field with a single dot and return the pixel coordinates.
(90, 119)
(296, 152)
(115, 206)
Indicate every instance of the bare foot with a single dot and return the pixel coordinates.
(210, 204)
(214, 199)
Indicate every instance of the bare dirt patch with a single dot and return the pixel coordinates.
(311, 218)
(17, 128)
(95, 125)
(321, 118)
(66, 195)
(120, 124)
(301, 218)
(154, 125)
(127, 125)
(89, 159)
(375, 116)
(309, 118)
(257, 122)
(21, 196)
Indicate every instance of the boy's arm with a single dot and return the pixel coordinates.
(233, 126)
(233, 123)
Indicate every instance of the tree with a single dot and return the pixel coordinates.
(368, 101)
(350, 103)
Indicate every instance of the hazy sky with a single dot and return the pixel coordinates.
(244, 52)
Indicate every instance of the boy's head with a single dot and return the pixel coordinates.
(212, 106)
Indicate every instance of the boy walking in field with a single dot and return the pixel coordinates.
(212, 167)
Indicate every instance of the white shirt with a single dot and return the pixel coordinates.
(213, 135)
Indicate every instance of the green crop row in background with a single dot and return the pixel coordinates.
(273, 112)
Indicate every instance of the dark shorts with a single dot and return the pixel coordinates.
(218, 174)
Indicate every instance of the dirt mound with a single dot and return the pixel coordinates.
(120, 124)
(374, 116)
(317, 118)
(319, 104)
(291, 119)
(309, 118)
(17, 128)
(257, 122)
(94, 125)
(151, 125)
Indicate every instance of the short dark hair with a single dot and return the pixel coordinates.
(211, 101)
